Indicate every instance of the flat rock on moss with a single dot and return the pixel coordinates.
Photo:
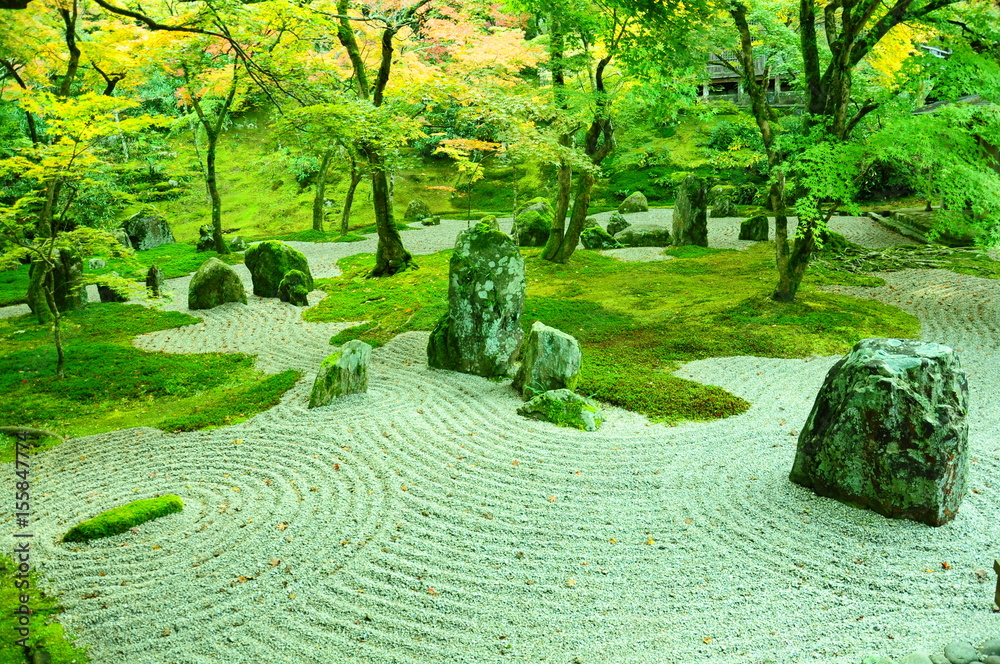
(644, 235)
(550, 360)
(888, 431)
(564, 408)
(120, 519)
(292, 288)
(482, 329)
(213, 284)
(595, 237)
(270, 261)
(344, 372)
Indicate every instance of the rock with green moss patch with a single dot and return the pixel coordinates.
(888, 431)
(534, 220)
(617, 223)
(690, 214)
(270, 261)
(215, 283)
(69, 291)
(154, 281)
(635, 203)
(724, 207)
(206, 239)
(238, 244)
(550, 360)
(431, 221)
(596, 237)
(564, 408)
(292, 288)
(416, 210)
(755, 229)
(644, 235)
(121, 519)
(720, 191)
(342, 373)
(491, 221)
(148, 231)
(482, 329)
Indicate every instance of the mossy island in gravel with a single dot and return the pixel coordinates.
(120, 519)
(214, 284)
(564, 408)
(270, 261)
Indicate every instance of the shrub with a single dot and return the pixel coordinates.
(120, 519)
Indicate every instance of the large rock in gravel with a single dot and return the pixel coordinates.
(755, 229)
(564, 408)
(293, 290)
(482, 329)
(595, 237)
(270, 261)
(690, 215)
(634, 203)
(617, 223)
(417, 210)
(888, 431)
(342, 373)
(154, 281)
(550, 360)
(147, 231)
(69, 291)
(213, 284)
(960, 652)
(534, 220)
(724, 207)
(644, 235)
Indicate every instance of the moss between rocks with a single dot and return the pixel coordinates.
(120, 519)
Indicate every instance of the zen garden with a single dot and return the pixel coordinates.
(468, 331)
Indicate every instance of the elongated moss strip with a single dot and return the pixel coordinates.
(118, 520)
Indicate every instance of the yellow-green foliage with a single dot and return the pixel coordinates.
(120, 519)
(637, 321)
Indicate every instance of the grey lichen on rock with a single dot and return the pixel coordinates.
(416, 210)
(617, 223)
(342, 373)
(550, 360)
(635, 203)
(482, 329)
(270, 261)
(293, 290)
(68, 290)
(888, 431)
(564, 408)
(644, 235)
(147, 231)
(690, 215)
(755, 229)
(213, 284)
(238, 244)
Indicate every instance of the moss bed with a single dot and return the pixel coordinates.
(120, 519)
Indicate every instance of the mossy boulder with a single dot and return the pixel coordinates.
(292, 288)
(69, 291)
(755, 229)
(270, 261)
(238, 244)
(533, 223)
(564, 408)
(550, 360)
(147, 231)
(416, 210)
(690, 213)
(644, 235)
(431, 221)
(491, 221)
(617, 223)
(635, 203)
(482, 330)
(724, 207)
(121, 519)
(595, 237)
(342, 373)
(213, 284)
(888, 431)
(720, 191)
(154, 281)
(206, 239)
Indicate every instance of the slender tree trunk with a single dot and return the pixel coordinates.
(213, 191)
(564, 178)
(320, 198)
(390, 256)
(581, 204)
(345, 218)
(49, 287)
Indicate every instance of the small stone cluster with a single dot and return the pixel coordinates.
(957, 652)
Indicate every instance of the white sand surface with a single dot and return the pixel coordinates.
(426, 522)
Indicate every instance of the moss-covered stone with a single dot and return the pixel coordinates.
(292, 288)
(724, 207)
(533, 223)
(690, 214)
(755, 229)
(481, 331)
(644, 235)
(213, 284)
(550, 360)
(634, 203)
(595, 237)
(121, 519)
(416, 210)
(617, 223)
(341, 373)
(564, 408)
(270, 261)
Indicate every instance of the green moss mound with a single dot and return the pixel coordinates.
(270, 261)
(120, 519)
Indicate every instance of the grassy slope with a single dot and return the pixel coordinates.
(637, 321)
(111, 385)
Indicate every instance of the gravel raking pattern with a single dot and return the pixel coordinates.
(425, 521)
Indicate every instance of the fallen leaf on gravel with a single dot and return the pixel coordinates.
(282, 526)
(650, 541)
(515, 462)
(268, 482)
(275, 562)
(613, 540)
(945, 565)
(552, 499)
(404, 487)
(707, 639)
(431, 591)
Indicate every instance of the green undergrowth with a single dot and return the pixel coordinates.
(111, 385)
(321, 236)
(120, 519)
(46, 633)
(636, 322)
(14, 286)
(176, 260)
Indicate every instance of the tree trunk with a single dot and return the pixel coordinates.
(581, 204)
(213, 191)
(49, 286)
(558, 230)
(320, 199)
(390, 256)
(345, 218)
(783, 292)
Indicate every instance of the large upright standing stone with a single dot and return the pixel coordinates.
(342, 373)
(270, 261)
(482, 329)
(690, 213)
(550, 360)
(68, 290)
(888, 431)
